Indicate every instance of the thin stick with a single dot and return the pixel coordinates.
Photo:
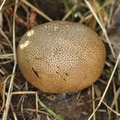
(36, 95)
(118, 59)
(116, 94)
(2, 4)
(33, 110)
(23, 92)
(6, 62)
(93, 97)
(9, 95)
(29, 92)
(111, 13)
(6, 56)
(111, 109)
(2, 96)
(37, 10)
(69, 13)
(102, 27)
(100, 8)
(7, 39)
(13, 111)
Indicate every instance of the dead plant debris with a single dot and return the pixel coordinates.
(22, 100)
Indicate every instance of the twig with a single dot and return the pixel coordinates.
(117, 93)
(4, 86)
(9, 95)
(23, 92)
(2, 96)
(69, 13)
(118, 59)
(100, 8)
(36, 95)
(93, 97)
(10, 5)
(102, 27)
(13, 111)
(37, 10)
(2, 72)
(7, 39)
(2, 4)
(28, 92)
(111, 13)
(6, 56)
(111, 108)
(6, 62)
(17, 17)
(33, 110)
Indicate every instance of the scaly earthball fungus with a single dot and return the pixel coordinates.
(61, 56)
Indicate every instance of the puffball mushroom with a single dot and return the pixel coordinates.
(61, 56)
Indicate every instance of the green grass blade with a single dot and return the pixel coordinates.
(49, 110)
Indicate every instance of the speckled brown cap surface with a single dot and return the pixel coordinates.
(58, 57)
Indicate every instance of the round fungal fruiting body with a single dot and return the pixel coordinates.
(61, 57)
